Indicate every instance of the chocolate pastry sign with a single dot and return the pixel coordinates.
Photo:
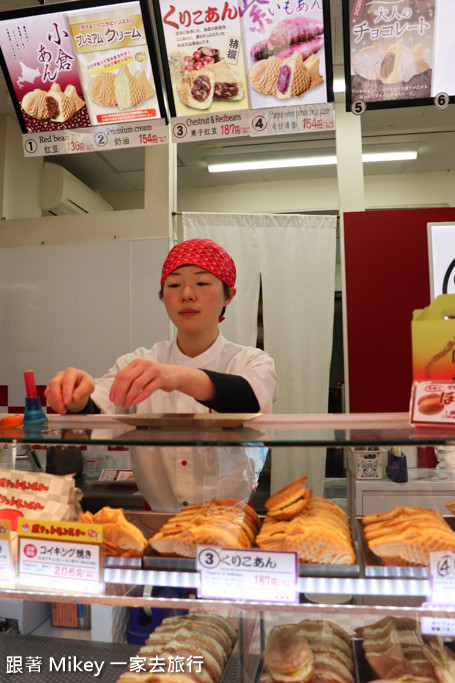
(249, 574)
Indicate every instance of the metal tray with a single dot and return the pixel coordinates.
(122, 562)
(373, 564)
(187, 420)
(363, 673)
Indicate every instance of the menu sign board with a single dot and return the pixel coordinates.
(288, 52)
(398, 53)
(75, 68)
(203, 56)
(226, 60)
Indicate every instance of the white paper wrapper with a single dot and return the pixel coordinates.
(39, 495)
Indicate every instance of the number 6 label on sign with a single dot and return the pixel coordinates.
(441, 101)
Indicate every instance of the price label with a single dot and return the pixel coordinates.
(433, 403)
(213, 126)
(6, 562)
(247, 574)
(114, 136)
(437, 626)
(442, 578)
(63, 556)
(300, 119)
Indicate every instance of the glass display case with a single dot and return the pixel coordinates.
(351, 597)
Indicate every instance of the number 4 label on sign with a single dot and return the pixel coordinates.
(442, 578)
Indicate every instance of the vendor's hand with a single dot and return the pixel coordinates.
(140, 379)
(69, 390)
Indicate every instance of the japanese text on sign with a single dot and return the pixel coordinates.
(442, 577)
(227, 572)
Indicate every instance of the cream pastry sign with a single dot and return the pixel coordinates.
(114, 63)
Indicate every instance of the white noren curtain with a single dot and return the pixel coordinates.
(294, 257)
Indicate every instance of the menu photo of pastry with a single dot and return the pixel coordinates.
(45, 83)
(205, 57)
(204, 78)
(392, 59)
(54, 109)
(114, 63)
(112, 93)
(286, 59)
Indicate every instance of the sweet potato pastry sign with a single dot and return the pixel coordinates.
(286, 45)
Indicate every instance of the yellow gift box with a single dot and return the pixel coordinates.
(433, 340)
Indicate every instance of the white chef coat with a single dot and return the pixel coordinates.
(172, 477)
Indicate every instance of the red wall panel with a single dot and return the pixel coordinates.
(387, 277)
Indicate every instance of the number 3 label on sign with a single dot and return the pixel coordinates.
(180, 130)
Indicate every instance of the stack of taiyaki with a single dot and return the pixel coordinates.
(123, 89)
(55, 104)
(285, 78)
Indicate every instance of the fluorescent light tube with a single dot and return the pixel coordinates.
(272, 163)
(295, 162)
(388, 156)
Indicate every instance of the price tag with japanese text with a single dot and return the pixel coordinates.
(442, 578)
(247, 574)
(433, 403)
(6, 560)
(62, 556)
(299, 119)
(96, 139)
(438, 626)
(205, 126)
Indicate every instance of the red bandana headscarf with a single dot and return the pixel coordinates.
(203, 253)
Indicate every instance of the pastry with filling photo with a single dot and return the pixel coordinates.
(396, 63)
(430, 404)
(55, 104)
(214, 81)
(122, 89)
(285, 78)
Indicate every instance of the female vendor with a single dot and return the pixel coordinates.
(198, 371)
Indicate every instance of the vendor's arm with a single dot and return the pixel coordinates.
(141, 378)
(233, 394)
(222, 392)
(69, 391)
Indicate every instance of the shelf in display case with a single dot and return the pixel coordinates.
(293, 430)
